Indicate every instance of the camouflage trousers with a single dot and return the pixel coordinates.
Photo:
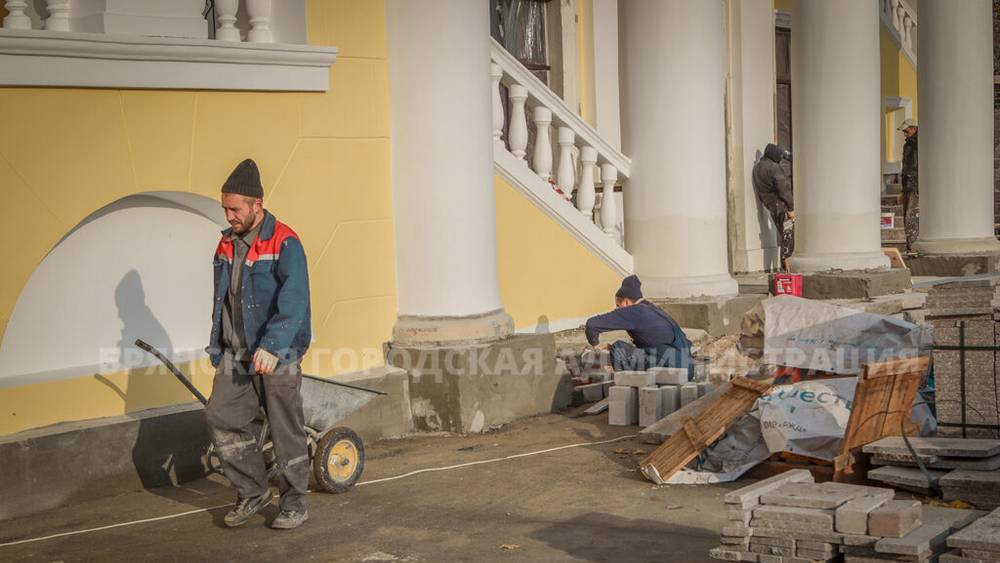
(911, 217)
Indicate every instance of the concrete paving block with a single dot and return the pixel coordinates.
(590, 393)
(817, 545)
(773, 542)
(991, 463)
(982, 534)
(982, 555)
(821, 519)
(808, 495)
(852, 516)
(739, 517)
(751, 493)
(724, 554)
(941, 447)
(704, 388)
(799, 534)
(954, 518)
(634, 378)
(928, 537)
(671, 398)
(650, 405)
(981, 488)
(670, 376)
(815, 554)
(894, 519)
(689, 393)
(909, 478)
(737, 530)
(957, 556)
(623, 406)
(866, 555)
(772, 550)
(858, 540)
(736, 543)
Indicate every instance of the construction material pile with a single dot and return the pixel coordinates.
(790, 518)
(961, 469)
(644, 397)
(965, 313)
(977, 543)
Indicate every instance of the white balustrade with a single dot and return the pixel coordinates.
(16, 18)
(58, 19)
(901, 22)
(496, 73)
(260, 21)
(586, 195)
(542, 157)
(225, 17)
(517, 133)
(609, 208)
(576, 140)
(565, 172)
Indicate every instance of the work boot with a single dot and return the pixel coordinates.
(246, 507)
(289, 519)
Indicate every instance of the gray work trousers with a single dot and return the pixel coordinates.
(230, 415)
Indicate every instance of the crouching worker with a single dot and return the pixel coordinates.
(657, 340)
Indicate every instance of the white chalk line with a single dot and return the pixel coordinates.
(372, 482)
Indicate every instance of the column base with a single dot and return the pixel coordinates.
(838, 261)
(954, 264)
(718, 316)
(689, 286)
(433, 332)
(956, 245)
(469, 389)
(858, 284)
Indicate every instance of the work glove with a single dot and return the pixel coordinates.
(264, 362)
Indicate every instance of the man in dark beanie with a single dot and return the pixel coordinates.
(260, 331)
(657, 340)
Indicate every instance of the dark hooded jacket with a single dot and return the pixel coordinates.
(770, 181)
(908, 174)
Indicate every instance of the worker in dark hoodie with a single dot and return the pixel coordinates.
(657, 340)
(773, 184)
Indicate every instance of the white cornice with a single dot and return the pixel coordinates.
(50, 58)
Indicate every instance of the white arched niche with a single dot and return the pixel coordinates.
(140, 267)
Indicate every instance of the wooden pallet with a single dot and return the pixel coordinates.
(883, 401)
(703, 429)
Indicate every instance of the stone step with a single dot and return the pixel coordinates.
(894, 188)
(892, 199)
(896, 234)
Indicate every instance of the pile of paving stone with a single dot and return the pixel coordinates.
(974, 303)
(790, 518)
(966, 469)
(644, 397)
(976, 543)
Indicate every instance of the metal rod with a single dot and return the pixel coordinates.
(952, 347)
(961, 379)
(173, 369)
(971, 425)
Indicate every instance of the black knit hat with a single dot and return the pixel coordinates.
(244, 180)
(630, 289)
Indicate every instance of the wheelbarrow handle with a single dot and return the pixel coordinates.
(173, 369)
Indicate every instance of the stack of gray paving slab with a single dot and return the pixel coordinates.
(644, 397)
(790, 518)
(966, 469)
(975, 303)
(977, 543)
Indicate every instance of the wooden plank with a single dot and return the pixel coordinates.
(703, 429)
(895, 367)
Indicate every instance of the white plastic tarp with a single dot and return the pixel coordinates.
(807, 418)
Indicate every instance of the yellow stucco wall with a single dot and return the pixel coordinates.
(585, 54)
(545, 273)
(324, 160)
(899, 78)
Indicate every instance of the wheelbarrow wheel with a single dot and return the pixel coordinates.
(339, 460)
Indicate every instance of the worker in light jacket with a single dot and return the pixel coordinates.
(657, 340)
(260, 331)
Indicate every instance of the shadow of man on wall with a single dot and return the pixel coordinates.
(169, 446)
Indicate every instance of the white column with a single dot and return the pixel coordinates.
(750, 103)
(607, 107)
(444, 211)
(674, 130)
(955, 90)
(836, 106)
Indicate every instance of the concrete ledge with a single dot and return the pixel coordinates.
(718, 316)
(386, 416)
(855, 284)
(471, 388)
(77, 461)
(954, 264)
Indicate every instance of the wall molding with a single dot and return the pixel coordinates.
(52, 58)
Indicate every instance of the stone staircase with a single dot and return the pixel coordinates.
(892, 202)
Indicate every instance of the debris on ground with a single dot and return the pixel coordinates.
(789, 517)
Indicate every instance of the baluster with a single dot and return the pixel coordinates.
(496, 73)
(517, 134)
(897, 21)
(58, 19)
(585, 193)
(260, 20)
(542, 158)
(16, 18)
(564, 175)
(609, 210)
(907, 37)
(225, 16)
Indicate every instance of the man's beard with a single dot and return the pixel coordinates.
(243, 226)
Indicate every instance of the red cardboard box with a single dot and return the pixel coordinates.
(787, 284)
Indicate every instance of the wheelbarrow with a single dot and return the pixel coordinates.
(336, 453)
